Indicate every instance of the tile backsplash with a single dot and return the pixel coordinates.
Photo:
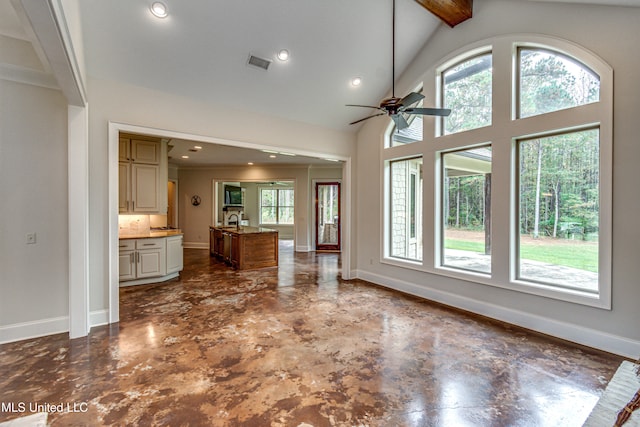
(129, 225)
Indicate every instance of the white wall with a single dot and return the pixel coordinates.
(138, 106)
(611, 33)
(33, 188)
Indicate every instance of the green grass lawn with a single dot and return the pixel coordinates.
(582, 256)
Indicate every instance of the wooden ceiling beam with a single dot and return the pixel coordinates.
(452, 12)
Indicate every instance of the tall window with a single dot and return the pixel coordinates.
(406, 209)
(559, 204)
(276, 205)
(466, 209)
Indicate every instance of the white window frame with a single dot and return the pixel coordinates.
(277, 206)
(504, 132)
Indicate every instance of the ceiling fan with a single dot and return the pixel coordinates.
(395, 107)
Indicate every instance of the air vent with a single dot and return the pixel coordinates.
(258, 62)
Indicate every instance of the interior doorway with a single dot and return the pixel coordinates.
(172, 204)
(327, 216)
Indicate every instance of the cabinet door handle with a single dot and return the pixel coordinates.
(148, 244)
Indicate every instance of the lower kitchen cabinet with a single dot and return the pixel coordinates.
(126, 260)
(149, 260)
(175, 259)
(151, 257)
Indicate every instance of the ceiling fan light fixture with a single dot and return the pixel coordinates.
(283, 55)
(356, 81)
(159, 9)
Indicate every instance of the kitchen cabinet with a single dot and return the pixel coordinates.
(139, 150)
(141, 258)
(175, 259)
(216, 241)
(150, 260)
(142, 175)
(126, 260)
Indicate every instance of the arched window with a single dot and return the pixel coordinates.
(467, 89)
(517, 180)
(551, 81)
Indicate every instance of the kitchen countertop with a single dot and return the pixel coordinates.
(244, 229)
(152, 234)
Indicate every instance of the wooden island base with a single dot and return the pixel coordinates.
(245, 247)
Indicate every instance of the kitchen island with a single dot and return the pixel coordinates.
(244, 247)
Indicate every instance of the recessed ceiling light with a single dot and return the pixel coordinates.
(356, 81)
(185, 157)
(283, 55)
(273, 156)
(250, 163)
(159, 9)
(197, 147)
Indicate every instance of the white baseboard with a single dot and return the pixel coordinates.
(34, 329)
(195, 245)
(149, 280)
(98, 318)
(567, 331)
(304, 249)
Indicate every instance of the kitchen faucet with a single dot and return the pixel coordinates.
(237, 220)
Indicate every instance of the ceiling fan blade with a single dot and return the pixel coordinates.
(361, 120)
(444, 112)
(412, 98)
(365, 106)
(401, 122)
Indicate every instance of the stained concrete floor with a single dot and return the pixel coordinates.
(297, 346)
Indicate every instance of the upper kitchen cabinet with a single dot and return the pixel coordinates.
(143, 175)
(139, 150)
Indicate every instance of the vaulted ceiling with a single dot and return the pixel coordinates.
(200, 50)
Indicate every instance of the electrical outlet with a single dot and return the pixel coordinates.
(31, 238)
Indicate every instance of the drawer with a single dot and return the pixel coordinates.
(127, 244)
(150, 243)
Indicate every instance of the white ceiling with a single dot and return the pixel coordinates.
(226, 155)
(201, 49)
